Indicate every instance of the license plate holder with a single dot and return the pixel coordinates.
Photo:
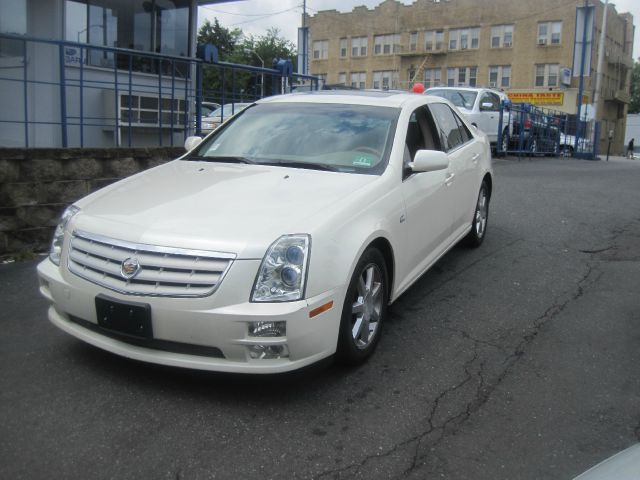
(131, 319)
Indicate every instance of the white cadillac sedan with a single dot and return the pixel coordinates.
(278, 240)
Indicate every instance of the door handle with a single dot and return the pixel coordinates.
(449, 179)
(475, 157)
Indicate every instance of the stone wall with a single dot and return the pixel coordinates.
(37, 184)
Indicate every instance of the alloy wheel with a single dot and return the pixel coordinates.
(366, 310)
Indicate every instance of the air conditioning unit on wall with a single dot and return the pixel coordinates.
(542, 41)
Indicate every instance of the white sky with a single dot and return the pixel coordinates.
(257, 16)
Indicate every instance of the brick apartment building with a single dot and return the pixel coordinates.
(523, 47)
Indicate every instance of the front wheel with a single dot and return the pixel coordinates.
(480, 218)
(505, 141)
(364, 309)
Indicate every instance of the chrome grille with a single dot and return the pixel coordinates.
(164, 271)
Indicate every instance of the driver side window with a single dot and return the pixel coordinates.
(491, 98)
(420, 136)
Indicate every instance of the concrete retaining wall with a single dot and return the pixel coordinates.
(37, 184)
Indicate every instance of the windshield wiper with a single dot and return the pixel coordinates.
(307, 165)
(222, 159)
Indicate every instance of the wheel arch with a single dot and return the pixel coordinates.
(489, 180)
(384, 246)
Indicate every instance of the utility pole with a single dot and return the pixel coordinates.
(596, 96)
(305, 47)
(581, 84)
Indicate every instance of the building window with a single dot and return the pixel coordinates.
(433, 40)
(546, 75)
(385, 79)
(462, 76)
(358, 79)
(432, 77)
(13, 20)
(464, 38)
(152, 26)
(321, 49)
(342, 78)
(502, 36)
(413, 41)
(343, 47)
(549, 33)
(500, 76)
(473, 76)
(386, 44)
(359, 46)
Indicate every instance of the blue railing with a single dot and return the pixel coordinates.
(68, 94)
(525, 129)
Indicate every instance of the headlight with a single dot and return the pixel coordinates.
(282, 274)
(207, 125)
(58, 236)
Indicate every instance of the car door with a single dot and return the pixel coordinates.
(427, 206)
(489, 107)
(464, 154)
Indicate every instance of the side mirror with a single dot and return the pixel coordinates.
(429, 161)
(192, 142)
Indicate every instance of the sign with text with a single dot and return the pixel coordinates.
(537, 98)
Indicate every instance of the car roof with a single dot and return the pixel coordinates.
(354, 97)
(466, 89)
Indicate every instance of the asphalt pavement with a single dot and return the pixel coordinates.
(517, 360)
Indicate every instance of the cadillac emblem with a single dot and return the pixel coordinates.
(130, 267)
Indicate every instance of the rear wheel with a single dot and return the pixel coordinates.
(480, 218)
(364, 309)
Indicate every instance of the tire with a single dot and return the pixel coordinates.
(365, 301)
(505, 142)
(533, 148)
(567, 150)
(480, 218)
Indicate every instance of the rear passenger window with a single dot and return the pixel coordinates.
(464, 131)
(451, 134)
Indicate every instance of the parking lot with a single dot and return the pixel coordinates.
(517, 360)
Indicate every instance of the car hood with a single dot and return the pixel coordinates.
(622, 466)
(233, 208)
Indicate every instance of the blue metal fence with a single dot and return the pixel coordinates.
(526, 129)
(68, 94)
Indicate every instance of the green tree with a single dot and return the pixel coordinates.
(255, 49)
(269, 46)
(634, 106)
(223, 38)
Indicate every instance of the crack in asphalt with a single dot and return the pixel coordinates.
(483, 394)
(414, 439)
(484, 389)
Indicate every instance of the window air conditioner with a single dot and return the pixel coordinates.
(542, 41)
(492, 84)
(507, 44)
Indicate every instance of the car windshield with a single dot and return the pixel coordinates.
(229, 109)
(207, 110)
(338, 137)
(460, 98)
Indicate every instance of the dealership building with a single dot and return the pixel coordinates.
(534, 51)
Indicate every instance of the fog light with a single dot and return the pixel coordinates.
(267, 352)
(268, 329)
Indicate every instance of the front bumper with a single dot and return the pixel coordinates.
(219, 321)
